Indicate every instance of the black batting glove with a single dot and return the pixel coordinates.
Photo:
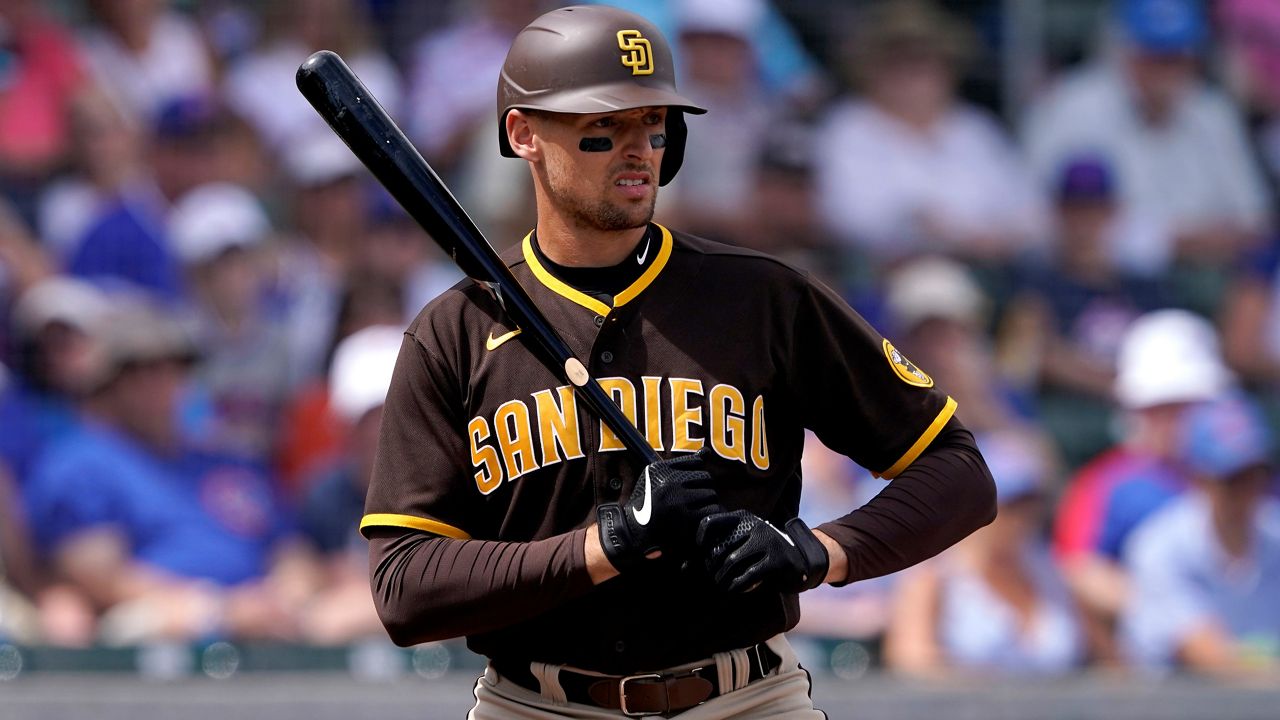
(743, 552)
(662, 513)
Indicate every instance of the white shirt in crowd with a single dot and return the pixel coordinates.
(174, 65)
(883, 185)
(1195, 170)
(262, 89)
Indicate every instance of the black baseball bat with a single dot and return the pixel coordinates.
(356, 116)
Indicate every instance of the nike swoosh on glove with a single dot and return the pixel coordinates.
(662, 514)
(743, 553)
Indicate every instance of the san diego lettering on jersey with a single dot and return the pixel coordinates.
(675, 414)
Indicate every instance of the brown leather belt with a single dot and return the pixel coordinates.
(643, 694)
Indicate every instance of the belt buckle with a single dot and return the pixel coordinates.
(622, 694)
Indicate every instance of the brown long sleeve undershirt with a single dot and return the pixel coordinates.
(943, 496)
(430, 588)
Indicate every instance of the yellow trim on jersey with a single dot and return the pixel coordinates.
(642, 282)
(565, 290)
(923, 442)
(416, 523)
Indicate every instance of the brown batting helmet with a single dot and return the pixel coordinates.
(592, 59)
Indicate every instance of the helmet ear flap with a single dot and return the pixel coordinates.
(673, 158)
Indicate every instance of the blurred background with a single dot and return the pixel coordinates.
(1064, 210)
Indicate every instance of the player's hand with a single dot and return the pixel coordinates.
(743, 552)
(662, 513)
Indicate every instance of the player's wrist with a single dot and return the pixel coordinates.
(616, 539)
(813, 554)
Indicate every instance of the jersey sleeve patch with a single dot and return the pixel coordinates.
(905, 369)
(416, 523)
(922, 442)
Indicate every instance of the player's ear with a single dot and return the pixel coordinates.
(521, 132)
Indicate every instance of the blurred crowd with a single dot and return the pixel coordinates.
(202, 294)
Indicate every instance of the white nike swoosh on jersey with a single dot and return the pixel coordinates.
(493, 342)
(646, 508)
(785, 536)
(640, 258)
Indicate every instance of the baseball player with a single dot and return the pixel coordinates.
(502, 510)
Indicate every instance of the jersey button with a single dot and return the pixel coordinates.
(599, 321)
(606, 357)
(615, 483)
(619, 647)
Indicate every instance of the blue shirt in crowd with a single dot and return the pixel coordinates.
(194, 515)
(129, 244)
(1182, 579)
(30, 418)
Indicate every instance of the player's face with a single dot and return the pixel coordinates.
(608, 189)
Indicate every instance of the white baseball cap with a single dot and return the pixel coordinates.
(61, 299)
(1170, 356)
(361, 372)
(933, 287)
(213, 218)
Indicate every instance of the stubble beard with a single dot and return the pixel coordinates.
(600, 214)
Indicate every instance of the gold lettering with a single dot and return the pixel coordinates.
(684, 414)
(728, 423)
(624, 393)
(484, 457)
(759, 442)
(558, 425)
(653, 411)
(511, 422)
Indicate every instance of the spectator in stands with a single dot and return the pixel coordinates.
(721, 74)
(41, 71)
(145, 55)
(165, 541)
(127, 241)
(450, 112)
(938, 315)
(1251, 46)
(450, 98)
(260, 87)
(312, 265)
(107, 163)
(781, 209)
(1168, 358)
(219, 230)
(312, 433)
(342, 610)
(995, 603)
(917, 169)
(57, 348)
(1063, 331)
(1206, 568)
(1181, 156)
(400, 253)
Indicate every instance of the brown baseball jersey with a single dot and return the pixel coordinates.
(712, 345)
